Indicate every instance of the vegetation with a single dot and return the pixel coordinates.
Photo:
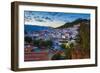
(47, 43)
(83, 41)
(77, 21)
(28, 39)
(84, 36)
(67, 50)
(58, 56)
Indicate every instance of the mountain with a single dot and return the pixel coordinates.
(77, 21)
(30, 28)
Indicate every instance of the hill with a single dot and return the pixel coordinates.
(77, 21)
(31, 28)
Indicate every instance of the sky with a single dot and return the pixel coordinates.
(51, 19)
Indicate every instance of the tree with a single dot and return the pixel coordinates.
(67, 51)
(71, 45)
(84, 33)
(28, 39)
(49, 43)
(58, 56)
(36, 42)
(63, 46)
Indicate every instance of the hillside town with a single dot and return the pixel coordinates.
(56, 37)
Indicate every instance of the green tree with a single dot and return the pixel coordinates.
(36, 42)
(83, 39)
(28, 39)
(49, 43)
(84, 33)
(58, 56)
(67, 51)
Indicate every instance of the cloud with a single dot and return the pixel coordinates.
(42, 19)
(52, 18)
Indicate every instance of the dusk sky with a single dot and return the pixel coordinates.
(52, 19)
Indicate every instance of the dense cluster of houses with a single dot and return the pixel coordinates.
(66, 34)
(57, 36)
